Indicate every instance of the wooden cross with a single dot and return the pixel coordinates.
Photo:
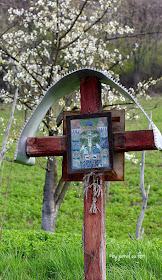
(123, 141)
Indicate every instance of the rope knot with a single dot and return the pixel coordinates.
(97, 189)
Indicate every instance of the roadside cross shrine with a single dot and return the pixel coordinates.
(92, 146)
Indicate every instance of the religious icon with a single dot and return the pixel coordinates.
(89, 142)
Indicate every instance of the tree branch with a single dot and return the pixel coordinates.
(57, 48)
(85, 30)
(54, 61)
(62, 194)
(41, 165)
(144, 194)
(23, 66)
(4, 208)
(10, 27)
(8, 127)
(59, 186)
(116, 104)
(134, 35)
(130, 236)
(75, 20)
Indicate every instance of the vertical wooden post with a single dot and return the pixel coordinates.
(94, 224)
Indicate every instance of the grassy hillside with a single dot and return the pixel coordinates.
(25, 193)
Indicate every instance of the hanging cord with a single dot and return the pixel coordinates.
(97, 189)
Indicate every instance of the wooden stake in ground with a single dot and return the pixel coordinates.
(94, 224)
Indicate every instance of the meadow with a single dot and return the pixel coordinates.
(30, 253)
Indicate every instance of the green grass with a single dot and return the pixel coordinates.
(42, 255)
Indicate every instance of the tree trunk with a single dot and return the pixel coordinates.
(53, 196)
(49, 212)
(139, 232)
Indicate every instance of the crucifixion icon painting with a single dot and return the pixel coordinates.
(89, 142)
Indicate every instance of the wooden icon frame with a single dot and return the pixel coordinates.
(89, 143)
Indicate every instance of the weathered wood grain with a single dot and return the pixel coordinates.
(133, 141)
(46, 146)
(124, 141)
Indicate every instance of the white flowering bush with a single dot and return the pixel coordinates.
(53, 37)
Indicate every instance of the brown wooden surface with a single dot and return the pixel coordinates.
(90, 89)
(94, 224)
(134, 141)
(46, 146)
(94, 238)
(124, 141)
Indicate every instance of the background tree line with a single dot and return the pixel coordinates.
(145, 18)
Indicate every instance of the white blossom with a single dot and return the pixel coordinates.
(131, 157)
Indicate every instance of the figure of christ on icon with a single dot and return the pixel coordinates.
(90, 137)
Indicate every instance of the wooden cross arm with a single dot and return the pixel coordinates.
(124, 141)
(139, 140)
(46, 146)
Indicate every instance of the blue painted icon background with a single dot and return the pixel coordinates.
(89, 143)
